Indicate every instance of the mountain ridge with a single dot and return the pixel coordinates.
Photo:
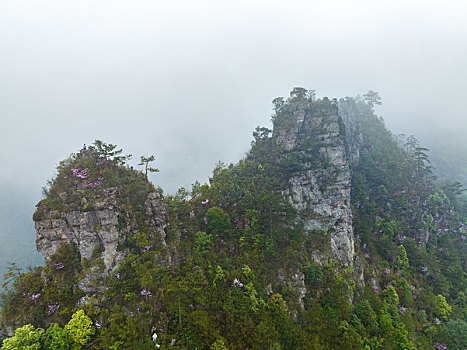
(327, 234)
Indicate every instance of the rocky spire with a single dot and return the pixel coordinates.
(320, 190)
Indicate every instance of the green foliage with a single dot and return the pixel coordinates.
(12, 275)
(402, 260)
(400, 335)
(229, 275)
(203, 242)
(108, 151)
(456, 334)
(145, 161)
(313, 274)
(218, 345)
(218, 221)
(79, 329)
(372, 98)
(292, 163)
(261, 133)
(55, 338)
(25, 338)
(441, 308)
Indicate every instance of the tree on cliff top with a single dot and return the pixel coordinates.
(108, 151)
(372, 98)
(145, 161)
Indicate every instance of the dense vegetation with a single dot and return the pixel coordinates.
(234, 242)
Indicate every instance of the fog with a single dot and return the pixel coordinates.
(188, 81)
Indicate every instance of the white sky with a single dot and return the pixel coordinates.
(188, 81)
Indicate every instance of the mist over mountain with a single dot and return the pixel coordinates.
(188, 82)
(330, 232)
(17, 235)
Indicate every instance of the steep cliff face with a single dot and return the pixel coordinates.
(99, 229)
(99, 220)
(312, 135)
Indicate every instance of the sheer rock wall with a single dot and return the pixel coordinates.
(320, 191)
(98, 232)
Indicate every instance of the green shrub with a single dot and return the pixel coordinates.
(203, 242)
(218, 221)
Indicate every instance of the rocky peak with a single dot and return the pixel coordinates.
(312, 133)
(98, 206)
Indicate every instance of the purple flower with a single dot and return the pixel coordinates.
(367, 255)
(94, 184)
(437, 321)
(425, 269)
(35, 296)
(403, 309)
(378, 217)
(387, 271)
(463, 237)
(146, 293)
(205, 202)
(98, 325)
(237, 283)
(52, 308)
(192, 213)
(364, 245)
(118, 275)
(82, 174)
(205, 220)
(440, 346)
(59, 265)
(172, 342)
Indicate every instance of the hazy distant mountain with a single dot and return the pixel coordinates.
(17, 236)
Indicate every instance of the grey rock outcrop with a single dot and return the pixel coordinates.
(296, 280)
(320, 190)
(99, 232)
